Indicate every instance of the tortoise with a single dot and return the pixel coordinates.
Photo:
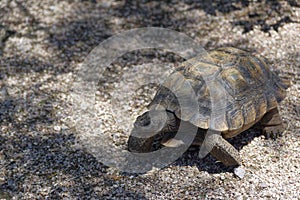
(253, 92)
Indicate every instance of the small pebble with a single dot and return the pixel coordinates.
(239, 172)
(263, 185)
(56, 128)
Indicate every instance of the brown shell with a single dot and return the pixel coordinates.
(241, 86)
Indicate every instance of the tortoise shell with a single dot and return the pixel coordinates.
(251, 89)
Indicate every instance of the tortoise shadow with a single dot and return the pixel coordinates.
(209, 163)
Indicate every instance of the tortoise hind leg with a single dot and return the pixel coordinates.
(272, 124)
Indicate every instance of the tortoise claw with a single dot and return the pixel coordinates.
(273, 131)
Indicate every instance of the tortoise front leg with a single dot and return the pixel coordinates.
(222, 150)
(212, 143)
(272, 124)
(140, 145)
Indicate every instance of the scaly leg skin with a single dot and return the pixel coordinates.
(223, 150)
(140, 145)
(272, 124)
(216, 145)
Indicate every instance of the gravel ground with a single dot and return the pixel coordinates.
(44, 42)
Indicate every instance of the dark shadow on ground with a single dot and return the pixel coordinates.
(74, 37)
(148, 13)
(222, 6)
(15, 65)
(158, 13)
(28, 112)
(260, 14)
(77, 37)
(33, 154)
(46, 157)
(5, 33)
(43, 159)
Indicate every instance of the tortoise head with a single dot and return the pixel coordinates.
(146, 127)
(150, 123)
(153, 122)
